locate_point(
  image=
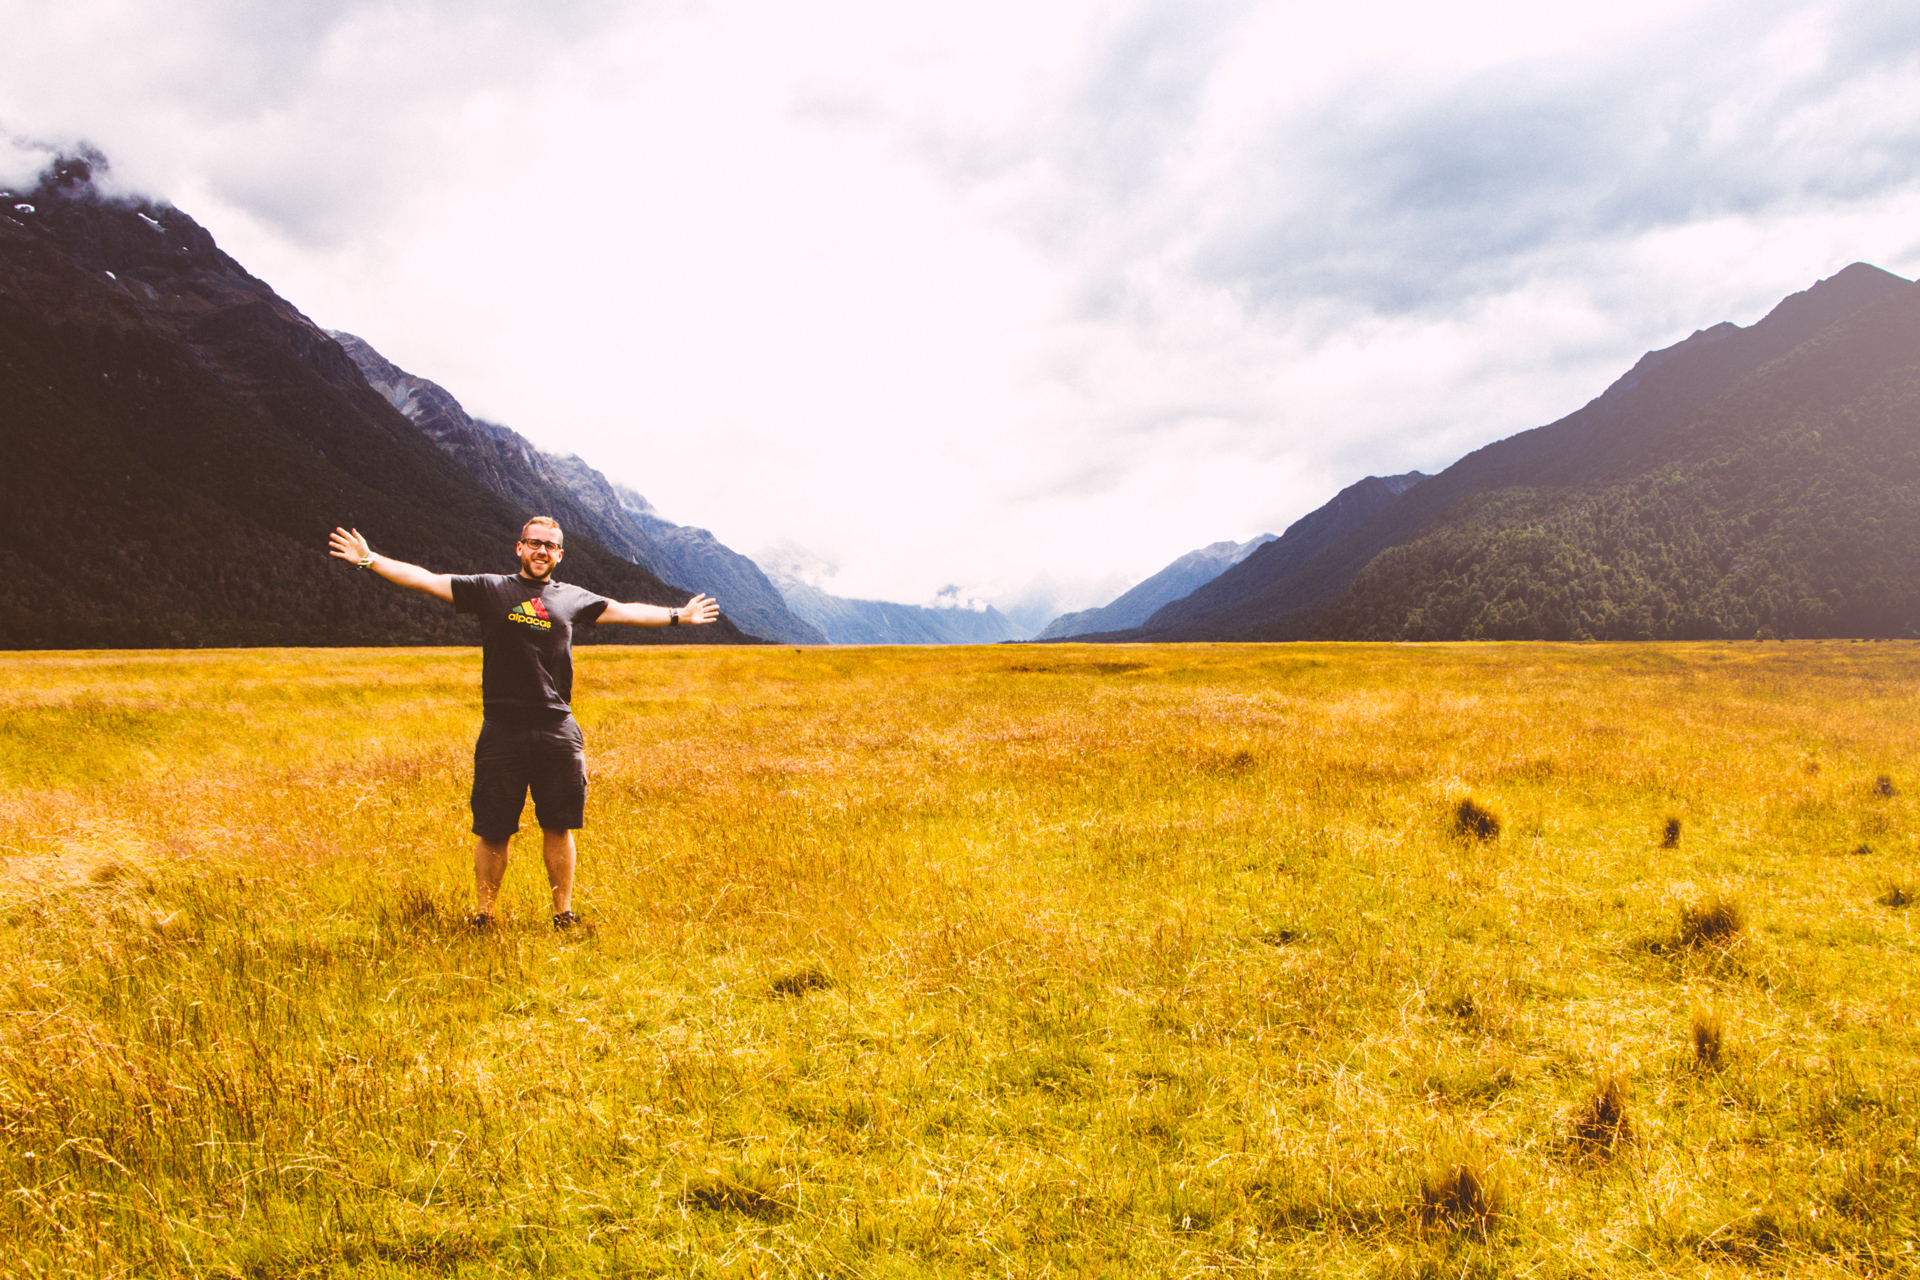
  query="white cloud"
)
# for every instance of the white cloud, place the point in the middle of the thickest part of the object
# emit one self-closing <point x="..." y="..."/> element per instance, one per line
<point x="965" y="296"/>
<point x="21" y="161"/>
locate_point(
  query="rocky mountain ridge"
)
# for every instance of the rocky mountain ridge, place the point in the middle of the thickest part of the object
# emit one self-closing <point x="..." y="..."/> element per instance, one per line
<point x="580" y="497"/>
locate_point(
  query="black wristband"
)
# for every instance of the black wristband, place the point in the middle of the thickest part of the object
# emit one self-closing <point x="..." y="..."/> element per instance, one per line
<point x="673" y="617"/>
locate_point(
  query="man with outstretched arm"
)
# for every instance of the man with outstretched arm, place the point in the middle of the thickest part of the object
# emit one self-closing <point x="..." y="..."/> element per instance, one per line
<point x="528" y="738"/>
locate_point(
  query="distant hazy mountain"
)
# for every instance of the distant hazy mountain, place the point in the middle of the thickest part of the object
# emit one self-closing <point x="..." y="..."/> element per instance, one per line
<point x="1048" y="595"/>
<point x="686" y="554"/>
<point x="1265" y="599"/>
<point x="580" y="497"/>
<point x="193" y="437"/>
<point x="881" y="622"/>
<point x="1185" y="575"/>
<point x="846" y="621"/>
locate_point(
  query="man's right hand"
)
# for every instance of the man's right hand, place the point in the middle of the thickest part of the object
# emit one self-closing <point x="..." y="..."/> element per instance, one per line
<point x="349" y="545"/>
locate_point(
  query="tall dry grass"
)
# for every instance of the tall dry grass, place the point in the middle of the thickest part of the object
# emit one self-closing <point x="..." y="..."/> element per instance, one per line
<point x="1156" y="961"/>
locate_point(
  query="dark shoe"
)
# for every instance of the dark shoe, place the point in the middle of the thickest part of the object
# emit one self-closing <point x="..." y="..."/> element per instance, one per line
<point x="482" y="923"/>
<point x="565" y="920"/>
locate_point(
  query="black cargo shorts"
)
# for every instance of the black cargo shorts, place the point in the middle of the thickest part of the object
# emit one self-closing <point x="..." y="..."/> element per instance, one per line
<point x="545" y="755"/>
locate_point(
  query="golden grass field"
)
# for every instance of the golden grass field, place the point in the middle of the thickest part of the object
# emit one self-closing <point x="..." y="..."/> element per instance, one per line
<point x="1023" y="961"/>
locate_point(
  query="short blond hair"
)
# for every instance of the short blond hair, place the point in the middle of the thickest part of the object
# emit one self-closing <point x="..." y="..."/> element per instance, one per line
<point x="547" y="522"/>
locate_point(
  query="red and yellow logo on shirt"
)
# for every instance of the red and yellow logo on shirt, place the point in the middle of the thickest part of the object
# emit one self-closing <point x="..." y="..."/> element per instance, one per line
<point x="531" y="613"/>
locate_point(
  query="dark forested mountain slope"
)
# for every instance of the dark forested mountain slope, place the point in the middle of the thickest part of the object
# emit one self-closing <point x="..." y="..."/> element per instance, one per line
<point x="1601" y="440"/>
<point x="179" y="440"/>
<point x="1789" y="505"/>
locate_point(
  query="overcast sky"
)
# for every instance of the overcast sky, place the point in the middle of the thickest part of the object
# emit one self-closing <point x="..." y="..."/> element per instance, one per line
<point x="959" y="295"/>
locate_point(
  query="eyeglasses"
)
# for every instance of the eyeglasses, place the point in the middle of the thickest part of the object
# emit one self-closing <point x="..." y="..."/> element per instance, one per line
<point x="539" y="544"/>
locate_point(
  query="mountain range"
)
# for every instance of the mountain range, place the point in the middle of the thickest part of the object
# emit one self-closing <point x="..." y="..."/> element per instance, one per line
<point x="1745" y="481"/>
<point x="195" y="436"/>
<point x="179" y="440"/>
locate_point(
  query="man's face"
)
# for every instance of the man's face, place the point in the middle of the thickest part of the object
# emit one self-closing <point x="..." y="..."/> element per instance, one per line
<point x="540" y="551"/>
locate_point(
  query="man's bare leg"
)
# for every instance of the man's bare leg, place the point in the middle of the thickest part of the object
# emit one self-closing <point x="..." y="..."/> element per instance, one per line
<point x="559" y="851"/>
<point x="489" y="869"/>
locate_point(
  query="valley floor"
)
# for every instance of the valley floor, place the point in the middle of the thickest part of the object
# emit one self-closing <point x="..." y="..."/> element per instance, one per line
<point x="1377" y="960"/>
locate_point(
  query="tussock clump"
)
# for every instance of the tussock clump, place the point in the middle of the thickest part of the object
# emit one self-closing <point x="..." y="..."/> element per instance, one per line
<point x="409" y="906"/>
<point x="108" y="872"/>
<point x="1896" y="896"/>
<point x="1230" y="764"/>
<point x="1751" y="1242"/>
<point x="1884" y="788"/>
<point x="1716" y="922"/>
<point x="753" y="1195"/>
<point x="1708" y="1044"/>
<point x="1460" y="1192"/>
<point x="1601" y="1123"/>
<point x="801" y="982"/>
<point x="416" y="906"/>
<point x="1473" y="822"/>
<point x="1670" y="837"/>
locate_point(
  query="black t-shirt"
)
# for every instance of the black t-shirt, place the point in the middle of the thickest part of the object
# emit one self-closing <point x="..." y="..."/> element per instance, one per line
<point x="526" y="638"/>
